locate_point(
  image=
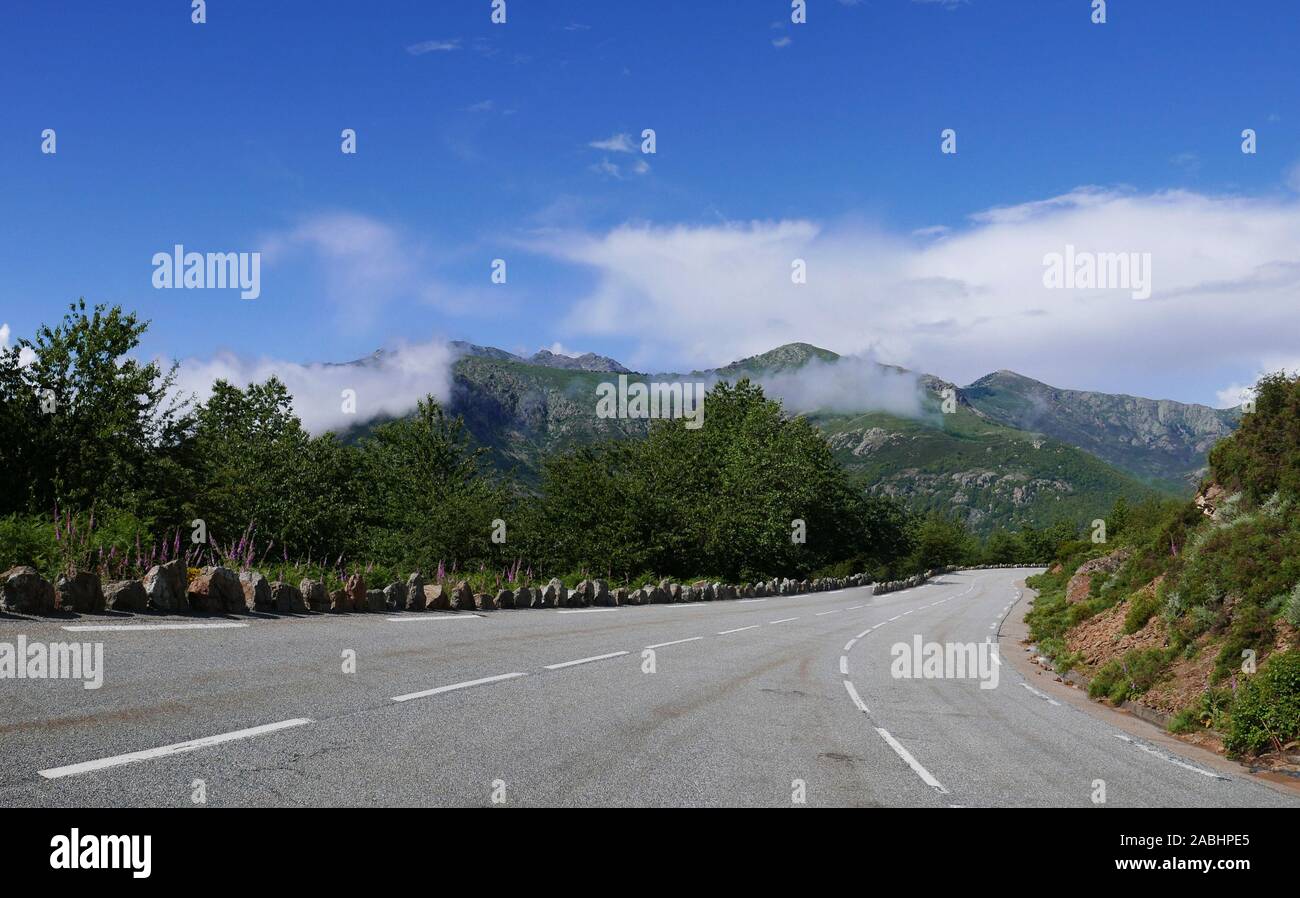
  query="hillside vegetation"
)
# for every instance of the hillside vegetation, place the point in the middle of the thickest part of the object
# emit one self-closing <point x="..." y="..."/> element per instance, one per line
<point x="1196" y="609"/>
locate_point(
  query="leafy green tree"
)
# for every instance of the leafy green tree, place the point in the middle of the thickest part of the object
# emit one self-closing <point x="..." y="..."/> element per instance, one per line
<point x="88" y="425"/>
<point x="428" y="497"/>
<point x="260" y="471"/>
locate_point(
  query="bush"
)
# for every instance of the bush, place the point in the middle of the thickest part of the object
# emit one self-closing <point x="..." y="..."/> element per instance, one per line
<point x="1266" y="712"/>
<point x="1141" y="606"/>
<point x="1291" y="607"/>
<point x="1130" y="676"/>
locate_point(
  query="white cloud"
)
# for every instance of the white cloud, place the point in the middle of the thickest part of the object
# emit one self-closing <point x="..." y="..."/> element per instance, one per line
<point x="433" y="47"/>
<point x="1293" y="177"/>
<point x="4" y="336"/>
<point x="1225" y="272"/>
<point x="388" y="384"/>
<point x="618" y="143"/>
<point x="365" y="262"/>
<point x="783" y="41"/>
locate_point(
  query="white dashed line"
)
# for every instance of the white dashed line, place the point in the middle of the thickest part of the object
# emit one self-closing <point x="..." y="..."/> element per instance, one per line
<point x="853" y="694"/>
<point x="844" y="665"/>
<point x="912" y="762"/>
<point x="784" y="620"/>
<point x="660" y="645"/>
<point x="745" y="601"/>
<point x="1164" y="757"/>
<point x="174" y="749"/>
<point x="454" y="686"/>
<point x="581" y="610"/>
<point x="737" y="630"/>
<point x="584" y="660"/>
<point x="848" y="646"/>
<point x="853" y="607"/>
<point x="108" y="628"/>
<point x="424" y="617"/>
<point x="832" y="611"/>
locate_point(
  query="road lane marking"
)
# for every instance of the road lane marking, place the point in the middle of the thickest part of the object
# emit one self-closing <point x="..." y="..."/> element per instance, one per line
<point x="863" y="634"/>
<point x="853" y="607"/>
<point x="784" y="620"/>
<point x="857" y="700"/>
<point x="832" y="611"/>
<point x="423" y="617"/>
<point x="454" y="686"/>
<point x="581" y="610"/>
<point x="848" y="646"/>
<point x="894" y="618"/>
<point x="660" y="645"/>
<point x="584" y="660"/>
<point x="743" y="601"/>
<point x="166" y="750"/>
<point x="1164" y="757"/>
<point x="737" y="630"/>
<point x="844" y="665"/>
<point x="911" y="761"/>
<point x="108" y="628"/>
<point x="1043" y="696"/>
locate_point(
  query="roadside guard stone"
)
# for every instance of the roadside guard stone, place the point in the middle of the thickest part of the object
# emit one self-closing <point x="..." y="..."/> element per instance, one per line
<point x="257" y="591"/>
<point x="216" y="590"/>
<point x="126" y="595"/>
<point x="167" y="587"/>
<point x="415" y="595"/>
<point x="81" y="592"/>
<point x="315" y="595"/>
<point x="25" y="591"/>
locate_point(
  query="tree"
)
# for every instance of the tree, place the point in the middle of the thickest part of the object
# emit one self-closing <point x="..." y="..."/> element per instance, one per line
<point x="88" y="425"/>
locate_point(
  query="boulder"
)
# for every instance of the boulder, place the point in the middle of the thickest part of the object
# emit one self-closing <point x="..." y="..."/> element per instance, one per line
<point x="484" y="601"/>
<point x="395" y="597"/>
<point x="523" y="597"/>
<point x="355" y="587"/>
<point x="376" y="601"/>
<point x="167" y="587"/>
<point x="462" y="599"/>
<point x="505" y="598"/>
<point x="216" y="590"/>
<point x="314" y="594"/>
<point x="600" y="594"/>
<point x="126" y="595"/>
<point x="415" y="594"/>
<point x="437" y="597"/>
<point x="554" y="594"/>
<point x="340" y="601"/>
<point x="623" y="597"/>
<point x="81" y="592"/>
<point x="257" y="591"/>
<point x="582" y="594"/>
<point x="25" y="591"/>
<point x="675" y="592"/>
<point x="286" y="598"/>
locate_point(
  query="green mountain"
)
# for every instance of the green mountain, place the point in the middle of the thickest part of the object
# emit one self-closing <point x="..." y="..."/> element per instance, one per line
<point x="1159" y="441"/>
<point x="1008" y="450"/>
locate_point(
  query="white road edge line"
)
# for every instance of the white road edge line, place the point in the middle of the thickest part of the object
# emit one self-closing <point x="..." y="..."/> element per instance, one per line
<point x="744" y="601"/>
<point x="912" y="762"/>
<point x="454" y="686"/>
<point x="423" y="617"/>
<point x="1164" y="757"/>
<point x="584" y="660"/>
<point x="660" y="645"/>
<point x="107" y="628"/>
<point x="1043" y="696"/>
<point x="173" y="749"/>
<point x="853" y="694"/>
<point x="581" y="610"/>
<point x="737" y="630"/>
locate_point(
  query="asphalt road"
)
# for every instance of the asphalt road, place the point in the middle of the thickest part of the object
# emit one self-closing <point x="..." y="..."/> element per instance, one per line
<point x="758" y="702"/>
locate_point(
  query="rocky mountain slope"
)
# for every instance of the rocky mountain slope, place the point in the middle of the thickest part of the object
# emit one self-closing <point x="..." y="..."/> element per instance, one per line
<point x="1011" y="451"/>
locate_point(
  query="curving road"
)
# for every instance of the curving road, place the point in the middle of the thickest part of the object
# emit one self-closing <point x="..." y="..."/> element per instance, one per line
<point x="759" y="702"/>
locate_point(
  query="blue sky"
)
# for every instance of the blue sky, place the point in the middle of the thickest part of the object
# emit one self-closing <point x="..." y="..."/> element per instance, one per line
<point x="475" y="142"/>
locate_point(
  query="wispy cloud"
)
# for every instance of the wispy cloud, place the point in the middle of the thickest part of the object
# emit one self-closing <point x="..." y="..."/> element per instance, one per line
<point x="1223" y="269"/>
<point x="433" y="47"/>
<point x="783" y="41"/>
<point x="618" y="143"/>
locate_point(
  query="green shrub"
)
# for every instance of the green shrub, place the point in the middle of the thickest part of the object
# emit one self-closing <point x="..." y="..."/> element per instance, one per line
<point x="1291" y="607"/>
<point x="1266" y="711"/>
<point x="1251" y="628"/>
<point x="1141" y="606"/>
<point x="1130" y="676"/>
